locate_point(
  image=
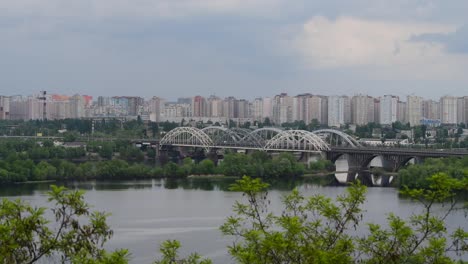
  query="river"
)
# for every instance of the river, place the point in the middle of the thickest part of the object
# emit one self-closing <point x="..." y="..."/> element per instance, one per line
<point x="145" y="213"/>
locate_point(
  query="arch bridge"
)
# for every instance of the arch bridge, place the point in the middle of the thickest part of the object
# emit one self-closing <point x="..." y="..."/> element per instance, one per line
<point x="340" y="148"/>
<point x="264" y="139"/>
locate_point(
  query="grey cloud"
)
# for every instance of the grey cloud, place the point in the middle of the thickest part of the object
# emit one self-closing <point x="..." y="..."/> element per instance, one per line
<point x="455" y="42"/>
<point x="100" y="50"/>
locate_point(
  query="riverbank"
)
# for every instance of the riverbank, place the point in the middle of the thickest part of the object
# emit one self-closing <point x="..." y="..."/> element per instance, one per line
<point x="34" y="182"/>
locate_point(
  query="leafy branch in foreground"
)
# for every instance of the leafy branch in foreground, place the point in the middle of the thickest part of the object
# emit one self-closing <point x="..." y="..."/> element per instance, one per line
<point x="76" y="236"/>
<point x="309" y="230"/>
<point x="169" y="250"/>
<point x="424" y="237"/>
<point x="317" y="229"/>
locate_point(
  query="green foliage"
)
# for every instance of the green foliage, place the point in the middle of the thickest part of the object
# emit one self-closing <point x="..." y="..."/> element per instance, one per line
<point x="77" y="236"/>
<point x="206" y="166"/>
<point x="321" y="166"/>
<point x="416" y="176"/>
<point x="169" y="250"/>
<point x="260" y="164"/>
<point x="317" y="229"/>
<point x="70" y="137"/>
<point x="310" y="230"/>
<point x="365" y="131"/>
<point x="423" y="238"/>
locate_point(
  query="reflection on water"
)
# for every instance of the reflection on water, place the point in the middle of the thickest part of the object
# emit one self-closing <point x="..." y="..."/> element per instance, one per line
<point x="23" y="189"/>
<point x="206" y="184"/>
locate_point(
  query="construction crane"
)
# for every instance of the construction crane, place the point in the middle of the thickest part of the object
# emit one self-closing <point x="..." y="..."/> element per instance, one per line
<point x="44" y="104"/>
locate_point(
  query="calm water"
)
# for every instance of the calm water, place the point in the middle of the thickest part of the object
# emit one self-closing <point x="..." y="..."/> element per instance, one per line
<point x="145" y="213"/>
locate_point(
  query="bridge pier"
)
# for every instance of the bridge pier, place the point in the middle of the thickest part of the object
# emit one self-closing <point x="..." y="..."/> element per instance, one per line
<point x="381" y="180"/>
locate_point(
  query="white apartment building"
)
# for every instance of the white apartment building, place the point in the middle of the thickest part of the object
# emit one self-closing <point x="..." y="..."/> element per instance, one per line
<point x="282" y="109"/>
<point x="215" y="106"/>
<point x="362" y="109"/>
<point x="156" y="108"/>
<point x="267" y="107"/>
<point x="414" y="109"/>
<point x="448" y="109"/>
<point x="388" y="109"/>
<point x="336" y="109"/>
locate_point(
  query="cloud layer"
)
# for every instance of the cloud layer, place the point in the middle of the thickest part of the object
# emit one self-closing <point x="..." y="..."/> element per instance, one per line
<point x="348" y="41"/>
<point x="233" y="47"/>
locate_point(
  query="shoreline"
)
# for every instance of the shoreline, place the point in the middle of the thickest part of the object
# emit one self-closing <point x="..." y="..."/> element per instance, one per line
<point x="32" y="182"/>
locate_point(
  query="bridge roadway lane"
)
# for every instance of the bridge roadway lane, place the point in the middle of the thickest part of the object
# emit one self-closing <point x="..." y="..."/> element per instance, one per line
<point x="402" y="151"/>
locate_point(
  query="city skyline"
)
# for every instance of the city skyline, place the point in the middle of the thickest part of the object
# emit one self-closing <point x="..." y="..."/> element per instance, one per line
<point x="232" y="47"/>
<point x="333" y="111"/>
<point x="61" y="93"/>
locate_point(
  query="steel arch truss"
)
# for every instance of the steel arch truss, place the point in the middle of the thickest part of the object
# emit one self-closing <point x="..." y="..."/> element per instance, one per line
<point x="337" y="138"/>
<point x="296" y="140"/>
<point x="262" y="139"/>
<point x="222" y="136"/>
<point x="187" y="136"/>
<point x="263" y="135"/>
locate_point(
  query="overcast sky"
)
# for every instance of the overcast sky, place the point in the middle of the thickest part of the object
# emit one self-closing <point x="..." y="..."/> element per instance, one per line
<point x="244" y="48"/>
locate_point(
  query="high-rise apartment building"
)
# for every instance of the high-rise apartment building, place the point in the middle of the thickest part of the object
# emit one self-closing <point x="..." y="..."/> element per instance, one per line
<point x="377" y="110"/>
<point x="315" y="108"/>
<point x="103" y="101"/>
<point x="448" y="109"/>
<point x="127" y="105"/>
<point x="243" y="109"/>
<point x="77" y="105"/>
<point x="431" y="110"/>
<point x="461" y="109"/>
<point x="324" y="114"/>
<point x="362" y="109"/>
<point x="156" y="108"/>
<point x="465" y="98"/>
<point x="307" y="107"/>
<point x="175" y="110"/>
<point x="347" y="109"/>
<point x="388" y="109"/>
<point x="230" y="107"/>
<point x="257" y="111"/>
<point x="401" y="113"/>
<point x="267" y="107"/>
<point x="282" y="109"/>
<point x="414" y="110"/>
<point x="215" y="106"/>
<point x="336" y="111"/>
<point x="199" y="106"/>
<point x="4" y="107"/>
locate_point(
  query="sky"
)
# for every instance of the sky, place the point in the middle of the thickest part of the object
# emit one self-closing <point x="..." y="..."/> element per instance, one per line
<point x="241" y="48"/>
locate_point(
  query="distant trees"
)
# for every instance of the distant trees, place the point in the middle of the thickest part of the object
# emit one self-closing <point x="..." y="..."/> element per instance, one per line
<point x="259" y="164"/>
<point x="418" y="175"/>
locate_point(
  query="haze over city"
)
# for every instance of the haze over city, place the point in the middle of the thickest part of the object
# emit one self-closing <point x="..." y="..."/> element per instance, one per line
<point x="234" y="48"/>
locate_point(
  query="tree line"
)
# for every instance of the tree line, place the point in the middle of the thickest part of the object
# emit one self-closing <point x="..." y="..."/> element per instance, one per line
<point x="418" y="175"/>
<point x="29" y="160"/>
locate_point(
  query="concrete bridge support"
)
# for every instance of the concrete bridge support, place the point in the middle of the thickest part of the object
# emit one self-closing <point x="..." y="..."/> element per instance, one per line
<point x="352" y="166"/>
